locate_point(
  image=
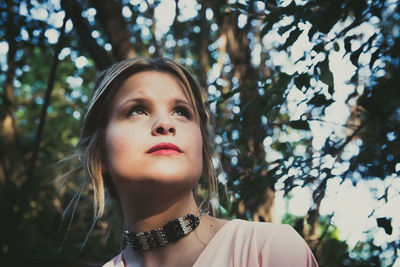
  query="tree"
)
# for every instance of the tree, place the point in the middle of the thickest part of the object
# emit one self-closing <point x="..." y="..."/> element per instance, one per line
<point x="231" y="48"/>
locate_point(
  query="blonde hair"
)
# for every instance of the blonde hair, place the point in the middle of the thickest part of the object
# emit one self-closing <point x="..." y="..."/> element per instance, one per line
<point x="90" y="147"/>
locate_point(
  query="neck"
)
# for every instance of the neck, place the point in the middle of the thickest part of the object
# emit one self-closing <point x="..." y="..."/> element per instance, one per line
<point x="145" y="215"/>
<point x="184" y="252"/>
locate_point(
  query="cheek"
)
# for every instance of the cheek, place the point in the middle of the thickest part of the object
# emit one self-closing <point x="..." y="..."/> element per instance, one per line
<point x="114" y="144"/>
<point x="200" y="147"/>
<point x="119" y="144"/>
<point x="197" y="144"/>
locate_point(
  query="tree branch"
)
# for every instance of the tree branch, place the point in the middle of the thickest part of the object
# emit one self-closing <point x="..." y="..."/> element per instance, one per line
<point x="7" y="124"/>
<point x="42" y="121"/>
<point x="348" y="140"/>
<point x="97" y="53"/>
<point x="109" y="14"/>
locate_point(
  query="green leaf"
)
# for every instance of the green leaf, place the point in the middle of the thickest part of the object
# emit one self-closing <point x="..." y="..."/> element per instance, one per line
<point x="281" y="85"/>
<point x="374" y="57"/>
<point x="302" y="80"/>
<point x="331" y="90"/>
<point x="319" y="47"/>
<point x="325" y="75"/>
<point x="300" y="125"/>
<point x="265" y="29"/>
<point x="386" y="224"/>
<point x="293" y="36"/>
<point x="320" y="100"/>
<point x="347" y="43"/>
<point x="284" y="29"/>
<point x="336" y="47"/>
<point x="311" y="33"/>
<point x="355" y="56"/>
<point x="327" y="16"/>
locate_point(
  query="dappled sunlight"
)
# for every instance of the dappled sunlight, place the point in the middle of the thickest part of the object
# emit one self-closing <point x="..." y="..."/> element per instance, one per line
<point x="302" y="93"/>
<point x="164" y="14"/>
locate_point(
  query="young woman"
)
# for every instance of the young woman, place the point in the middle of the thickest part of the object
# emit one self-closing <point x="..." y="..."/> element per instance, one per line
<point x="145" y="141"/>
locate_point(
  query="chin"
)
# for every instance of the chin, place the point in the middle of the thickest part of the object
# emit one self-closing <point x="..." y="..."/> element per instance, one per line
<point x="164" y="174"/>
<point x="171" y="175"/>
<point x="172" y="170"/>
<point x="158" y="185"/>
<point x="155" y="176"/>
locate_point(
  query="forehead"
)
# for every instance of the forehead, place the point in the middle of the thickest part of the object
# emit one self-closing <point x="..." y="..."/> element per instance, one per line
<point x="153" y="84"/>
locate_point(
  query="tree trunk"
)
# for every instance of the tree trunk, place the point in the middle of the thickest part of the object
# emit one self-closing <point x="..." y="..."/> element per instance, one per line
<point x="203" y="42"/>
<point x="97" y="53"/>
<point x="178" y="34"/>
<point x="159" y="50"/>
<point x="109" y="14"/>
<point x="312" y="234"/>
<point x="8" y="152"/>
<point x="8" y="127"/>
<point x="238" y="47"/>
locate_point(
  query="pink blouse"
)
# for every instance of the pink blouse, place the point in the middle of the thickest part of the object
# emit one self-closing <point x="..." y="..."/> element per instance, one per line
<point x="241" y="243"/>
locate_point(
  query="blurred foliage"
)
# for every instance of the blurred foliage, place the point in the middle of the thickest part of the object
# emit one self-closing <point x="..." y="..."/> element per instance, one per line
<point x="232" y="47"/>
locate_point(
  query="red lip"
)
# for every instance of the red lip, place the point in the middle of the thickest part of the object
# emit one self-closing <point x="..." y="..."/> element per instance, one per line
<point x="165" y="147"/>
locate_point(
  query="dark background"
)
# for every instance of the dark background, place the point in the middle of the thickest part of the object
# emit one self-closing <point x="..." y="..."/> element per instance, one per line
<point x="52" y="50"/>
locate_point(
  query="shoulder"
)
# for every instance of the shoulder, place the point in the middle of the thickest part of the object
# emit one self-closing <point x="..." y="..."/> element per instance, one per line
<point x="285" y="247"/>
<point x="260" y="231"/>
<point x="268" y="232"/>
<point x="117" y="261"/>
<point x="283" y="236"/>
<point x="277" y="244"/>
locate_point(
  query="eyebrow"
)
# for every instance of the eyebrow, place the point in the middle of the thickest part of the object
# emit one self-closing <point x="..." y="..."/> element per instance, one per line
<point x="145" y="101"/>
<point x="180" y="101"/>
<point x="138" y="100"/>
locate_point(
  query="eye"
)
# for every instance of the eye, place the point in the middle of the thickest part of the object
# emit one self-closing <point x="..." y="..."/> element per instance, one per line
<point x="136" y="110"/>
<point x="183" y="111"/>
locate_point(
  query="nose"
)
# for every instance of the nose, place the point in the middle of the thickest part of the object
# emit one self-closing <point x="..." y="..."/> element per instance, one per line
<point x="163" y="128"/>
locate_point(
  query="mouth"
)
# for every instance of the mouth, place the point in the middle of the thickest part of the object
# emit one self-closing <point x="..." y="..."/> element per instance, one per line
<point x="164" y="149"/>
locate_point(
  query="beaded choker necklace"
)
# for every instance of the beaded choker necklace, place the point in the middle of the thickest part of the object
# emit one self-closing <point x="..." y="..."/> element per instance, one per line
<point x="159" y="237"/>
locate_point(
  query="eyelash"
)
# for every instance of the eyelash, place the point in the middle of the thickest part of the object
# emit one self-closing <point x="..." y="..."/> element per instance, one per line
<point x="185" y="112"/>
<point x="180" y="110"/>
<point x="135" y="109"/>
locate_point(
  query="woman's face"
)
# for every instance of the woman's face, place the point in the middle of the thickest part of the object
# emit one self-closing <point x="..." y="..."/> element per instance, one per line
<point x="153" y="138"/>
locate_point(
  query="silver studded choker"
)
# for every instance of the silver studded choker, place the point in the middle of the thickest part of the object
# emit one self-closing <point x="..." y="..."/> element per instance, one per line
<point x="159" y="237"/>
